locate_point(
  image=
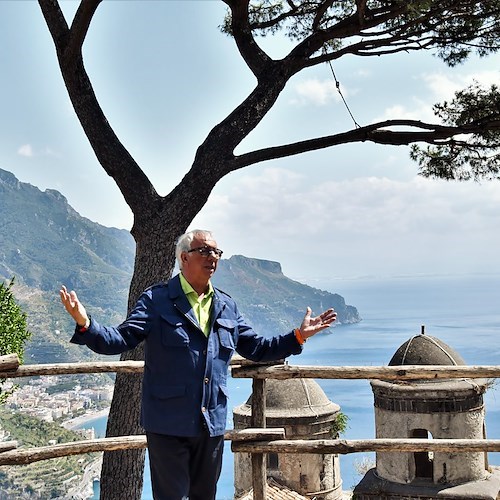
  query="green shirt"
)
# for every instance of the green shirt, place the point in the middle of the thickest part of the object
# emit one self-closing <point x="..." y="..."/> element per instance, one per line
<point x="201" y="306"/>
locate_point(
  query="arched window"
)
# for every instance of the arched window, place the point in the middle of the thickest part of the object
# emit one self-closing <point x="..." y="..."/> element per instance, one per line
<point x="424" y="460"/>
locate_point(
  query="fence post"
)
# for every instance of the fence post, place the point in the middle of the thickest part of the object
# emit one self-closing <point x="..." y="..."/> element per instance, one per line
<point x="259" y="473"/>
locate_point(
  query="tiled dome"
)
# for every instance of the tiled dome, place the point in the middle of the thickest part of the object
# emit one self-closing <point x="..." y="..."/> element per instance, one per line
<point x="426" y="350"/>
<point x="295" y="398"/>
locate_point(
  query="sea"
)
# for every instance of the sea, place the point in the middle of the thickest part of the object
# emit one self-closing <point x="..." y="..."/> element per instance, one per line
<point x="461" y="310"/>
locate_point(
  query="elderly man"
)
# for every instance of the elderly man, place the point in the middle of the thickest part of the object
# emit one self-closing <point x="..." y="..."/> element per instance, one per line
<point x="190" y="330"/>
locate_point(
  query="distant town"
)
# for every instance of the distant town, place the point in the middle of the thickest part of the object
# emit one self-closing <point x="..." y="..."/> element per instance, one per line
<point x="69" y="407"/>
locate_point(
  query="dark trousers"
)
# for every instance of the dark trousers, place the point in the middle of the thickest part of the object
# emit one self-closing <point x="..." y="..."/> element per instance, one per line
<point x="184" y="467"/>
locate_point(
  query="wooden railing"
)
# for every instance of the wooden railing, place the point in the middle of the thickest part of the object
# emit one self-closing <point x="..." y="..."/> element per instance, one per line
<point x="258" y="440"/>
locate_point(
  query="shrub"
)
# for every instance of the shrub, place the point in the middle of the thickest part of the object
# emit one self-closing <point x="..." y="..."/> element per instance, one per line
<point x="13" y="329"/>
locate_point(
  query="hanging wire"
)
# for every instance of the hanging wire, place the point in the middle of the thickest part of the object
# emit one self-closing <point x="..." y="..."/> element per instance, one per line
<point x="337" y="85"/>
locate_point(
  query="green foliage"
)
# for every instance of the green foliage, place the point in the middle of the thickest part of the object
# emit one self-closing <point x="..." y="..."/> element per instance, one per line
<point x="453" y="29"/>
<point x="13" y="330"/>
<point x="474" y="26"/>
<point x="464" y="157"/>
<point x="33" y="432"/>
<point x="339" y="425"/>
<point x="47" y="478"/>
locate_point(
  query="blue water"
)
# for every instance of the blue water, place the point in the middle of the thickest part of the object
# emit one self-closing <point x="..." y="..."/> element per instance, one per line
<point x="463" y="311"/>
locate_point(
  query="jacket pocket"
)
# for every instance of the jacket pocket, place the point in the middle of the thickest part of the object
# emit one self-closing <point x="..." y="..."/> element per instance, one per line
<point x="227" y="330"/>
<point x="172" y="332"/>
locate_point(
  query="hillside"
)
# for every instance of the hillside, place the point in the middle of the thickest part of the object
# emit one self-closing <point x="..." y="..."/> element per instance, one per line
<point x="46" y="243"/>
<point x="272" y="302"/>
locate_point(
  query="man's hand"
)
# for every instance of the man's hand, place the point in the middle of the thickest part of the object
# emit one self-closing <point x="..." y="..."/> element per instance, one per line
<point x="311" y="326"/>
<point x="74" y="307"/>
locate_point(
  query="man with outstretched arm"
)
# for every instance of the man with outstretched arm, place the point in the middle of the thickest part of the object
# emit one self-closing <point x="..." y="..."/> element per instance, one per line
<point x="190" y="330"/>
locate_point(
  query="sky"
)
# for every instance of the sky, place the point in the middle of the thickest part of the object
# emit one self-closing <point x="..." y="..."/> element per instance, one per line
<point x="165" y="75"/>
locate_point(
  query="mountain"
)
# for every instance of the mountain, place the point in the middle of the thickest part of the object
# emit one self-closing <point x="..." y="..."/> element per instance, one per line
<point x="272" y="302"/>
<point x="46" y="243"/>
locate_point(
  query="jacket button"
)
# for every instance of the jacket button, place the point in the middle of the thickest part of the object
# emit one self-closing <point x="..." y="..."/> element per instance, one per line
<point x="204" y="352"/>
<point x="203" y="409"/>
<point x="206" y="380"/>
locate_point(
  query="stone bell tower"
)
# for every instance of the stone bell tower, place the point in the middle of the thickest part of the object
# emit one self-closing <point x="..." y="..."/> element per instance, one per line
<point x="303" y="409"/>
<point x="442" y="409"/>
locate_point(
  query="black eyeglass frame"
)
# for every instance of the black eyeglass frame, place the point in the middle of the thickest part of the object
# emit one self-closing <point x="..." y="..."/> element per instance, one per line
<point x="206" y="251"/>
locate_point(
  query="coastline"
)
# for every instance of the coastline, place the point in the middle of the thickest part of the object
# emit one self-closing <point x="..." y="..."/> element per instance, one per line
<point x="85" y="488"/>
<point x="76" y="422"/>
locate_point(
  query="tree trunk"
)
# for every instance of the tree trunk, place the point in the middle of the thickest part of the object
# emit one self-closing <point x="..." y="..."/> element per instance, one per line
<point x="122" y="471"/>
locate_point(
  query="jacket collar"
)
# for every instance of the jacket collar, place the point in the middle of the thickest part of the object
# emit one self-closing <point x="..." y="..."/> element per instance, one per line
<point x="174" y="288"/>
<point x="178" y="296"/>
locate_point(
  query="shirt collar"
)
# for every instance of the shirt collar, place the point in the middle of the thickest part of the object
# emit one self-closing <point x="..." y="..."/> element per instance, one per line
<point x="188" y="289"/>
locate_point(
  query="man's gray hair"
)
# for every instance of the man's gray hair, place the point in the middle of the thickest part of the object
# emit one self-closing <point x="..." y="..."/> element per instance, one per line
<point x="185" y="240"/>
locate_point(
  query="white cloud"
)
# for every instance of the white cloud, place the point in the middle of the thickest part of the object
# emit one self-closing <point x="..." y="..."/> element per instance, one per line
<point x="444" y="85"/>
<point x="363" y="72"/>
<point x="359" y="225"/>
<point x="25" y="150"/>
<point x="419" y="111"/>
<point x="50" y="152"/>
<point x="28" y="151"/>
<point x="316" y="92"/>
<point x="437" y="86"/>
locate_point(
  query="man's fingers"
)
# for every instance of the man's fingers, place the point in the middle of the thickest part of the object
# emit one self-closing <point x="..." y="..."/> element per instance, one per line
<point x="65" y="295"/>
<point x="326" y="318"/>
<point x="328" y="315"/>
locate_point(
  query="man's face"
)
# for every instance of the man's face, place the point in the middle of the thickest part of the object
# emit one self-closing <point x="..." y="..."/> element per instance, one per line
<point x="198" y="268"/>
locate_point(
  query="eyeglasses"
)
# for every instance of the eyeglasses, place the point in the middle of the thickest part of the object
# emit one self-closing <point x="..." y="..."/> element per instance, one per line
<point x="207" y="251"/>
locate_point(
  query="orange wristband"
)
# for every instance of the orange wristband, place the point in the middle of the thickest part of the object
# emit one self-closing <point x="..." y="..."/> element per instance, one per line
<point x="299" y="337"/>
<point x="84" y="328"/>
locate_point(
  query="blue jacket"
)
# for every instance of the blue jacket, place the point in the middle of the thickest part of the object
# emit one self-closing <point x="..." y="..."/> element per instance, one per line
<point x="185" y="373"/>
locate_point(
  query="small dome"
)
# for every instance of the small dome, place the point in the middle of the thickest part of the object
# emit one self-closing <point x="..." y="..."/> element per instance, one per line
<point x="426" y="350"/>
<point x="296" y="397"/>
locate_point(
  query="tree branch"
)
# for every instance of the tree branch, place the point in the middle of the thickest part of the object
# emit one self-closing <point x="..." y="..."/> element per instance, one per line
<point x="348" y="27"/>
<point x="80" y="26"/>
<point x="255" y="58"/>
<point x="376" y="133"/>
<point x="58" y="27"/>
<point x="320" y="12"/>
<point x="135" y="186"/>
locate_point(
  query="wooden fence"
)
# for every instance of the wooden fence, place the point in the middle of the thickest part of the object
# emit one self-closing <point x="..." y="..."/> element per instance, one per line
<point x="257" y="440"/>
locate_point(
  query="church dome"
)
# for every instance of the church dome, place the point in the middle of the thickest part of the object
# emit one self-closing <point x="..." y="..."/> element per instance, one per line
<point x="292" y="398"/>
<point x="425" y="350"/>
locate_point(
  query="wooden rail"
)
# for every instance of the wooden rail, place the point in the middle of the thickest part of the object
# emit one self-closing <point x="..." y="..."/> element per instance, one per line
<point x="406" y="372"/>
<point x="11" y="456"/>
<point x="73" y="368"/>
<point x="278" y="372"/>
<point x="254" y="441"/>
<point x="258" y="441"/>
<point x="344" y="446"/>
<point x="9" y="362"/>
